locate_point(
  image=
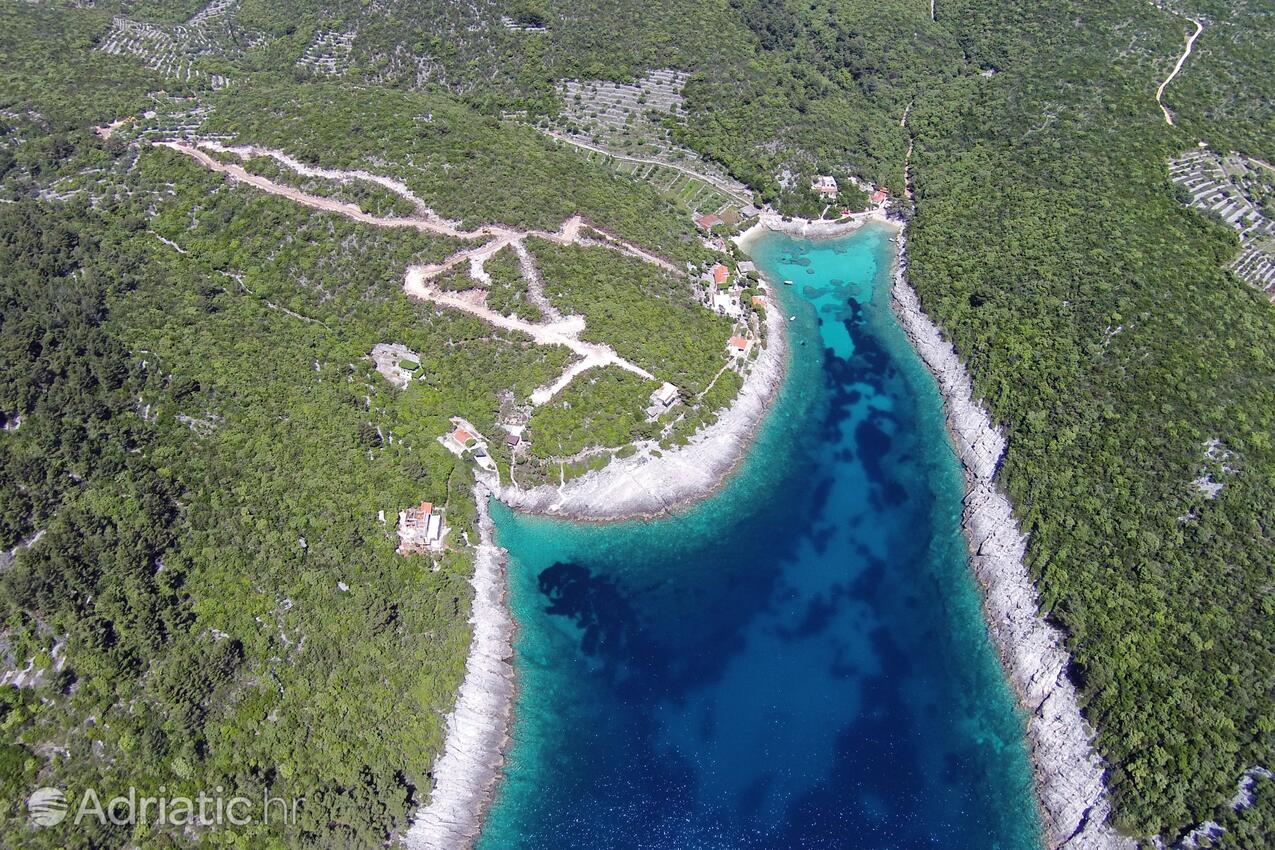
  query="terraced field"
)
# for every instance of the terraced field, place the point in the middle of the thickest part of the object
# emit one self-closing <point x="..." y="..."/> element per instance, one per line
<point x="626" y="126"/>
<point x="1235" y="190"/>
<point x="175" y="51"/>
<point x="693" y="193"/>
<point x="329" y="53"/>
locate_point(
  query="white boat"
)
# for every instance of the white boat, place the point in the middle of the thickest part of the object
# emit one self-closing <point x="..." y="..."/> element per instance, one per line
<point x="787" y="283"/>
<point x="792" y="318"/>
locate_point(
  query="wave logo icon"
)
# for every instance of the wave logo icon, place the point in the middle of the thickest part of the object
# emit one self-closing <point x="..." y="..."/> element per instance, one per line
<point x="47" y="806"/>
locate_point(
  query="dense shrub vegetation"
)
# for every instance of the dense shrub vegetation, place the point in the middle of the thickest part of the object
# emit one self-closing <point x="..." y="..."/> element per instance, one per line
<point x="1093" y="310"/>
<point x="615" y="403"/>
<point x="206" y="448"/>
<point x="463" y="165"/>
<point x="508" y="291"/>
<point x="195" y="428"/>
<point x="1225" y="94"/>
<point x="1103" y="333"/>
<point x="645" y="313"/>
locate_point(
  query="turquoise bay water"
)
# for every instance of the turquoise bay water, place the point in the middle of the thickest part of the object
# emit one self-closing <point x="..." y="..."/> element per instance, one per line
<point x="797" y="662"/>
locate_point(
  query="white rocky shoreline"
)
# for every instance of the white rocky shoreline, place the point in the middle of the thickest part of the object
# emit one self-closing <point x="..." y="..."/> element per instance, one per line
<point x="477" y="733"/>
<point x="642" y="485"/>
<point x="1069" y="774"/>
<point x="655" y="482"/>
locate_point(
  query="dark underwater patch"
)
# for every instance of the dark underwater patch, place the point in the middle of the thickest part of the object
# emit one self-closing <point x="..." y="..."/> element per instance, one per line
<point x="856" y="610"/>
<point x="868" y="583"/>
<point x="593" y="602"/>
<point x="873" y="444"/>
<point x="819" y="612"/>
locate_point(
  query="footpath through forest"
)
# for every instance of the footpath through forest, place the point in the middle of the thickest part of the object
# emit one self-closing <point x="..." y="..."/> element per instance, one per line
<point x="1190" y="45"/>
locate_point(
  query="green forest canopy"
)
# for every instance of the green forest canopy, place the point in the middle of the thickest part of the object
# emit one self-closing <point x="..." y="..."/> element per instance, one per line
<point x="1094" y="312"/>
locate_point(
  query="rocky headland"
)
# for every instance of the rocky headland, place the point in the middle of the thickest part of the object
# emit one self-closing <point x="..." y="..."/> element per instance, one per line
<point x="658" y="481"/>
<point x="466" y="773"/>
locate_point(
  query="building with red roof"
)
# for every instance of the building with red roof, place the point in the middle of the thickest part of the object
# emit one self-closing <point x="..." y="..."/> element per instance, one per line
<point x="420" y="528"/>
<point x="824" y="184"/>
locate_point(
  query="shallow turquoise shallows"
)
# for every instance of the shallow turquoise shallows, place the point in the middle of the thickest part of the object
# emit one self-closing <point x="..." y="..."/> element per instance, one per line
<point x="798" y="662"/>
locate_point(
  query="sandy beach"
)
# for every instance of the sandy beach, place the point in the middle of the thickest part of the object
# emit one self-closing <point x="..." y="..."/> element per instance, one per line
<point x="1069" y="774"/>
<point x="770" y="221"/>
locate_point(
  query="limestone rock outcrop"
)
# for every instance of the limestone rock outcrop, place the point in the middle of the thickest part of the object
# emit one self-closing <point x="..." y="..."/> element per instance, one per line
<point x="1069" y="773"/>
<point x="477" y="733"/>
<point x="652" y="481"/>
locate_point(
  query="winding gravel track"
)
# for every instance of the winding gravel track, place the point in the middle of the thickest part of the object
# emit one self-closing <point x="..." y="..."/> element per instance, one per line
<point x="418" y="282"/>
<point x="1190" y="45"/>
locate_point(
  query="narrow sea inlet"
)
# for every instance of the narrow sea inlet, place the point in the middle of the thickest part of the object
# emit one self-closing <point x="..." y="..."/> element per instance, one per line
<point x="799" y="661"/>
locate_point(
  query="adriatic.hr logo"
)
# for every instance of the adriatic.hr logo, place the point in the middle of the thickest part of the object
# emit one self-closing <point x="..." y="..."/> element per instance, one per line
<point x="47" y="806"/>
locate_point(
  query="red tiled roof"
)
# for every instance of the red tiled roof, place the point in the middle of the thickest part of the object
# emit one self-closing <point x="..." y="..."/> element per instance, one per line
<point x="462" y="436"/>
<point x="880" y="195"/>
<point x="720" y="273"/>
<point x="738" y="342"/>
<point x="709" y="220"/>
<point x="427" y="507"/>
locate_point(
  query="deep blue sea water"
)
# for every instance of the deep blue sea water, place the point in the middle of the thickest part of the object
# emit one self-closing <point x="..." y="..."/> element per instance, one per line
<point x="799" y="661"/>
